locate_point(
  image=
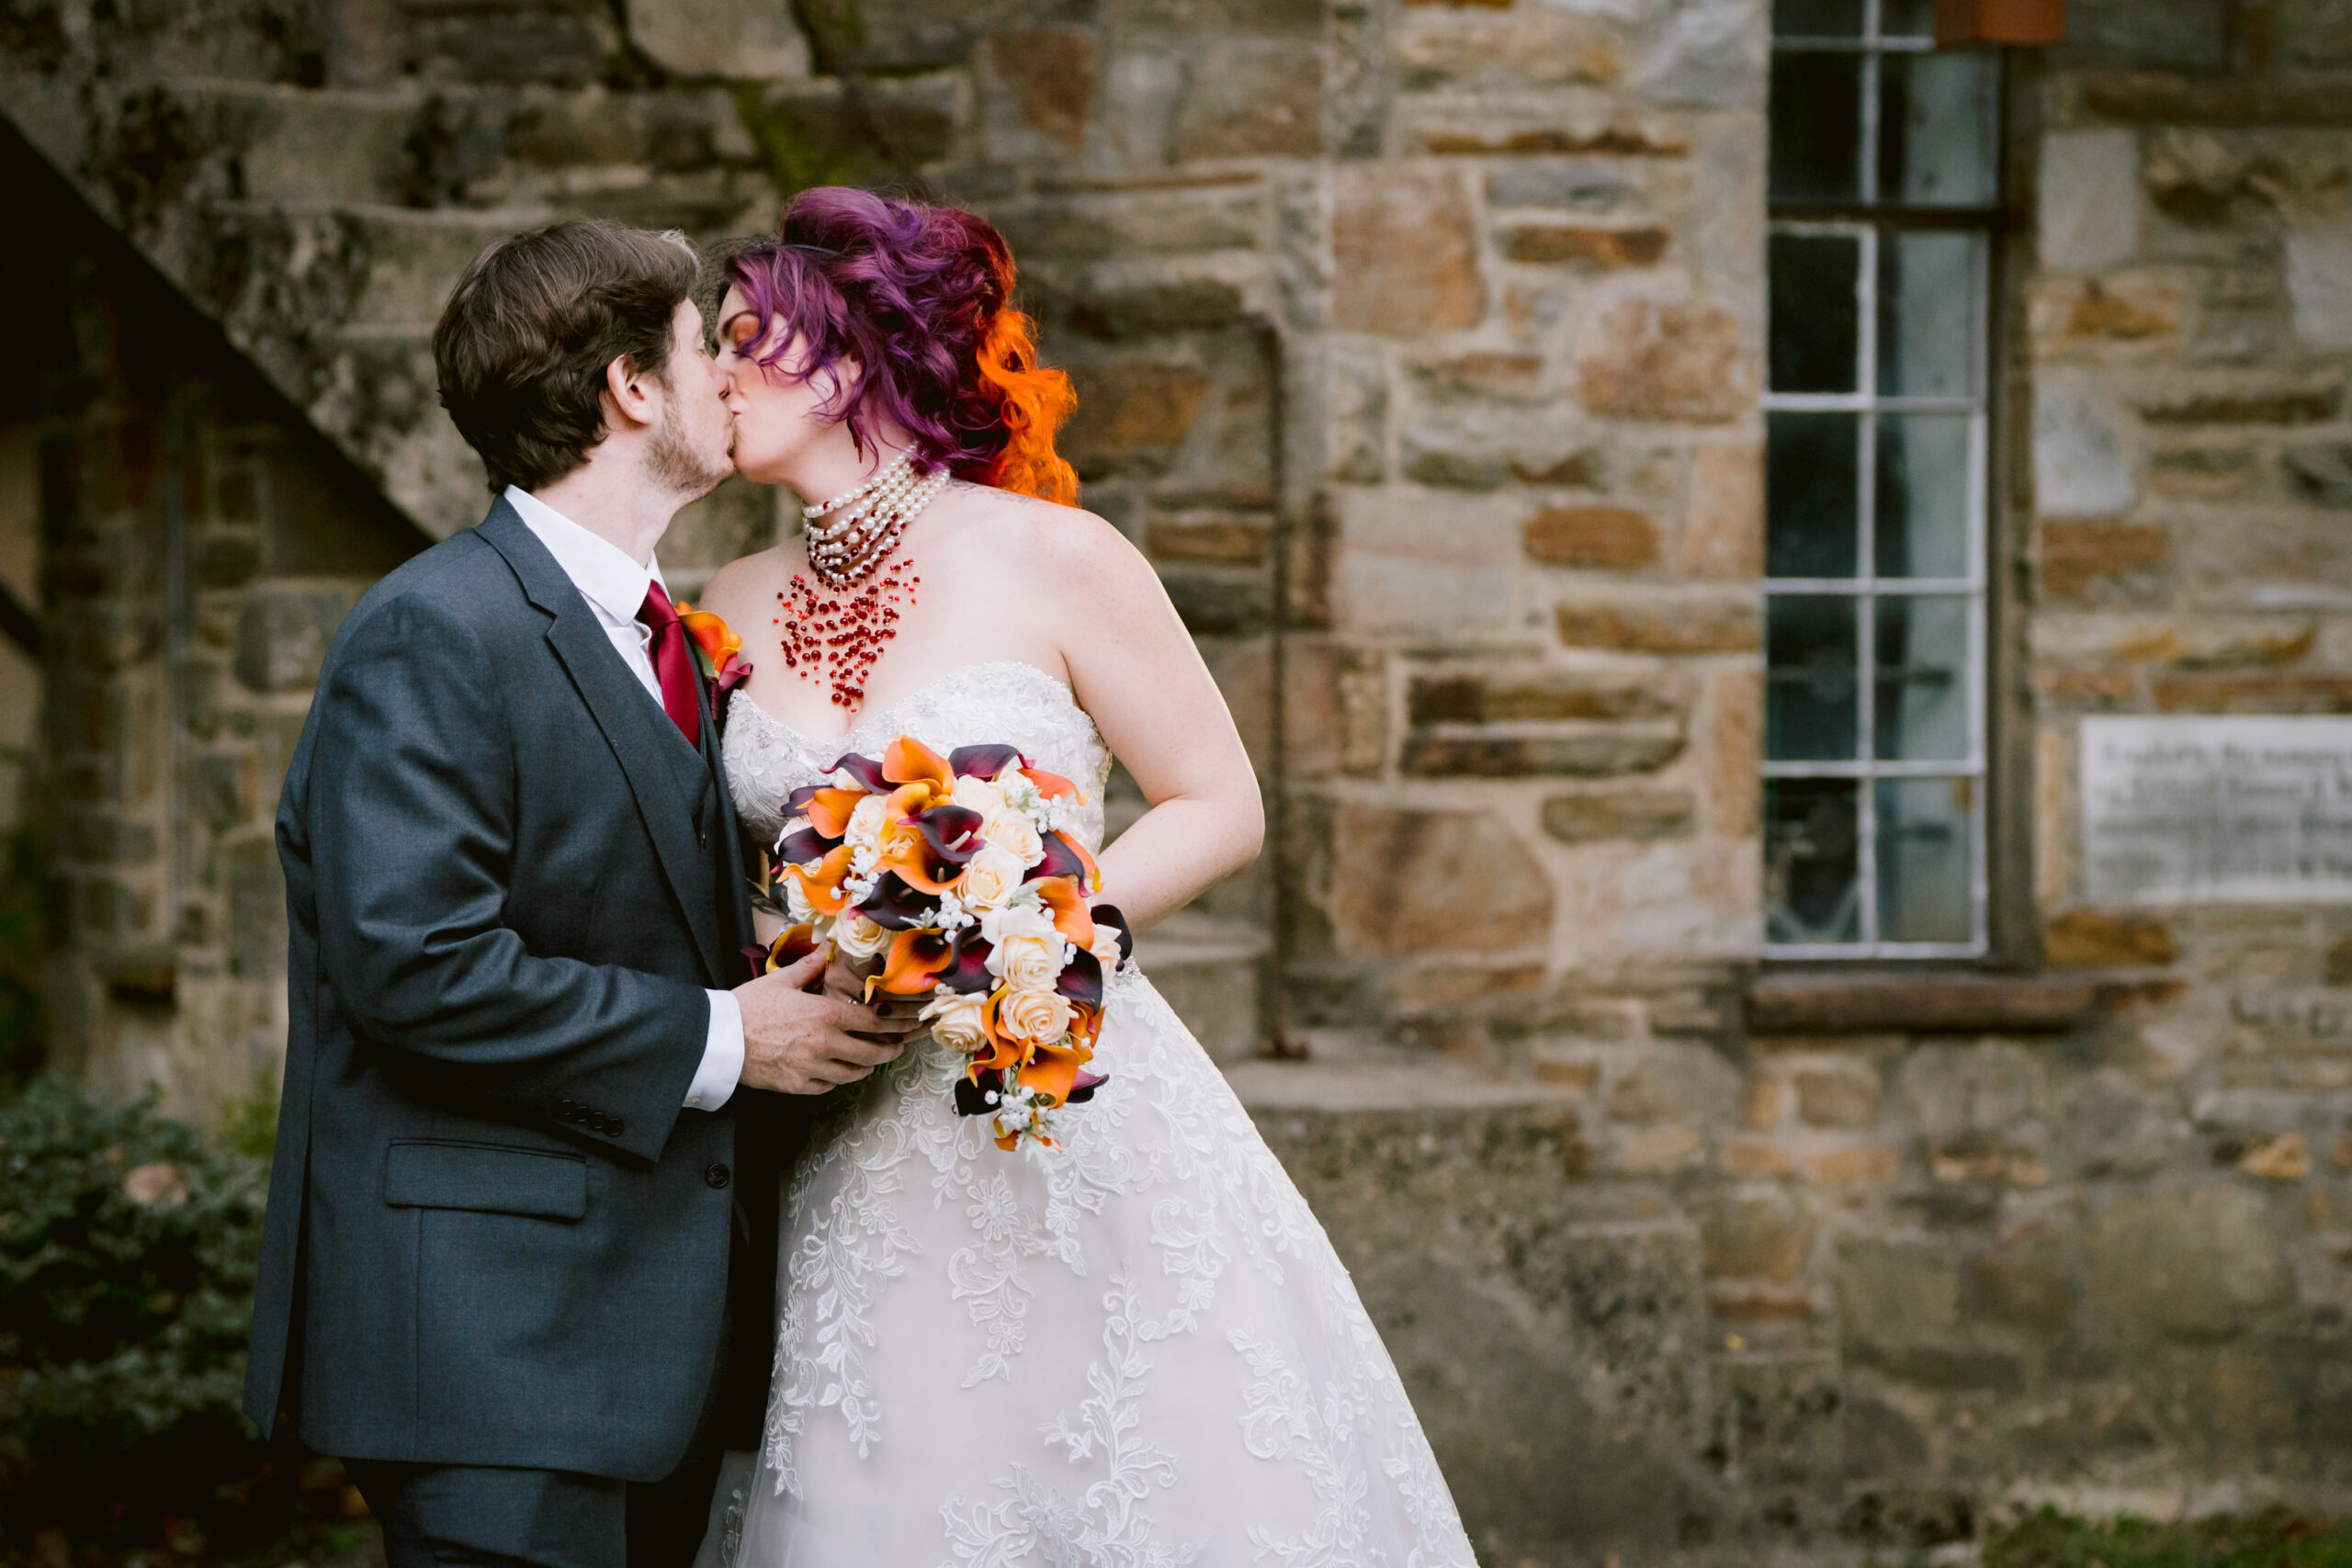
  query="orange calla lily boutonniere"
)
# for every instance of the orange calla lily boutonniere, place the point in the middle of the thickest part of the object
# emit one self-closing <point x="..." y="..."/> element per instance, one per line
<point x="963" y="880"/>
<point x="718" y="655"/>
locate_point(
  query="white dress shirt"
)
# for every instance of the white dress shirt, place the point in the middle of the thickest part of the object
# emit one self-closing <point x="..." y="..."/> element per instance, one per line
<point x="615" y="587"/>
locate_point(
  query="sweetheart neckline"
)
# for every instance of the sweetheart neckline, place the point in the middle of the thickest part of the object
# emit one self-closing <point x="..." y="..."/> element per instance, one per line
<point x="842" y="740"/>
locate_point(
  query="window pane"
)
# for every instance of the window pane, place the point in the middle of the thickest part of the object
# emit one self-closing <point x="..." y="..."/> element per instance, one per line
<point x="1907" y="18"/>
<point x="1811" y="712"/>
<point x="1923" y="485"/>
<point x="1817" y="127"/>
<point x="1922" y="670"/>
<point x="1927" y="313"/>
<point x="1817" y="19"/>
<point x="1936" y="144"/>
<point x="1811" y="859"/>
<point x="1816" y="311"/>
<point x="1811" y="468"/>
<point x="1923" y="860"/>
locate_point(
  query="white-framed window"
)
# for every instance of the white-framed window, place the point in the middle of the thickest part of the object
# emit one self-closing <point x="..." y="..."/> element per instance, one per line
<point x="1883" y="179"/>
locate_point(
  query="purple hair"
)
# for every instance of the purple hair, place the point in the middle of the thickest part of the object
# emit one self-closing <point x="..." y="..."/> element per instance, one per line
<point x="920" y="298"/>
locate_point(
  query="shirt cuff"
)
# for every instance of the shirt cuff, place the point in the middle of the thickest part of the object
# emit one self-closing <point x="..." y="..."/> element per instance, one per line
<point x="722" y="1056"/>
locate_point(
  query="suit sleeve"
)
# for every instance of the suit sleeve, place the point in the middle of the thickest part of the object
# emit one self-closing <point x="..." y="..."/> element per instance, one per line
<point x="411" y="804"/>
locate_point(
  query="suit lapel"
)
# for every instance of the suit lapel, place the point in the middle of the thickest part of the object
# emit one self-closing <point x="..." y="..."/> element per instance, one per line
<point x="647" y="744"/>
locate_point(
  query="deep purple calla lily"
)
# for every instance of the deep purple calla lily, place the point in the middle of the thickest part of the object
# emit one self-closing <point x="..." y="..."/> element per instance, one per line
<point x="1081" y="981"/>
<point x="796" y="803"/>
<point x="1061" y="860"/>
<point x="803" y="845"/>
<point x="1083" y="1089"/>
<point x="968" y="971"/>
<point x="866" y="770"/>
<point x="895" y="905"/>
<point x="951" y="831"/>
<point x="1108" y="915"/>
<point x="983" y="762"/>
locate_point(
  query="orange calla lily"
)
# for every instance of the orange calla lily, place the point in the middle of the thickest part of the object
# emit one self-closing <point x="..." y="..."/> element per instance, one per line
<point x="1052" y="786"/>
<point x="830" y="809"/>
<point x="1071" y="916"/>
<point x="909" y="762"/>
<point x="823" y="887"/>
<point x="915" y="957"/>
<point x="719" y="645"/>
<point x="1054" y="1070"/>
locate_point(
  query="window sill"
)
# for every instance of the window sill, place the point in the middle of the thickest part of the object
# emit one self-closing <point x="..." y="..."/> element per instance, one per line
<point x="1786" y="1004"/>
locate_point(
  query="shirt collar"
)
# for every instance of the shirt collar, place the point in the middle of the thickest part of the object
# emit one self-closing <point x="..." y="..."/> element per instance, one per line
<point x="603" y="572"/>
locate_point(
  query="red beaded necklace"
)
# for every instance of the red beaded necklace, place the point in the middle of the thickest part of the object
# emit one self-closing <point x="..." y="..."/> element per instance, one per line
<point x="843" y="617"/>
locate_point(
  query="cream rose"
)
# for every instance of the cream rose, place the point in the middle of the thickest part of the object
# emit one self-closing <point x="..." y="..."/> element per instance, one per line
<point x="979" y="794"/>
<point x="1020" y="917"/>
<point x="954" y="1020"/>
<point x="1027" y="963"/>
<point x="1105" y="946"/>
<point x="796" y="902"/>
<point x="989" y="878"/>
<point x="1013" y="832"/>
<point x="858" y="937"/>
<point x="865" y="821"/>
<point x="1038" y="1017"/>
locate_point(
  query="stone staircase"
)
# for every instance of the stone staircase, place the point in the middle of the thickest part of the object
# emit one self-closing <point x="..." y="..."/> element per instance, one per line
<point x="323" y="225"/>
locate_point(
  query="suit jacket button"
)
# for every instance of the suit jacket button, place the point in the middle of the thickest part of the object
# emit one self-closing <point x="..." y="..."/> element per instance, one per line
<point x="612" y="1125"/>
<point x="717" y="1175"/>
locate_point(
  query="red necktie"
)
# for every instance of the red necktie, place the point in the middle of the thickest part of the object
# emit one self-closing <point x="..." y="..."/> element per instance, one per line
<point x="673" y="666"/>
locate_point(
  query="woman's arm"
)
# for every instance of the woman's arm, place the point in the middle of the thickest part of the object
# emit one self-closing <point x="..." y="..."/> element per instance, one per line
<point x="1134" y="668"/>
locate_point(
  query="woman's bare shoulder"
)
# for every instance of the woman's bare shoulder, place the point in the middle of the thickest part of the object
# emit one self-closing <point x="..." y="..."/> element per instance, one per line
<point x="1044" y="535"/>
<point x="748" y="580"/>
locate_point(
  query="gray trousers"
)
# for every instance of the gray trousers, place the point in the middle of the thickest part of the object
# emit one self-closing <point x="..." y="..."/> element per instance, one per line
<point x="448" y="1516"/>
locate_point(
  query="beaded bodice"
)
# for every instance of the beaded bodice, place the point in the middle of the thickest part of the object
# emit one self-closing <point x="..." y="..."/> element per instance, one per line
<point x="1018" y="705"/>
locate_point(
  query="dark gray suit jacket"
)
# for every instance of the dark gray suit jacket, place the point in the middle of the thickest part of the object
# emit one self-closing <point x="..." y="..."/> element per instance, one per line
<point x="494" y="1237"/>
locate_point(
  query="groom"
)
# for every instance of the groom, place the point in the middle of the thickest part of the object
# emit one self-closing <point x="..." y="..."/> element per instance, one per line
<point x="520" y="1262"/>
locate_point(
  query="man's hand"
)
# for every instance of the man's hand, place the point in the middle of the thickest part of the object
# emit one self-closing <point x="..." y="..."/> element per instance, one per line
<point x="798" y="1044"/>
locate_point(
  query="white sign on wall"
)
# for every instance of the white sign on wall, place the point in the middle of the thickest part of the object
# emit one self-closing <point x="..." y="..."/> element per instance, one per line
<point x="2217" y="810"/>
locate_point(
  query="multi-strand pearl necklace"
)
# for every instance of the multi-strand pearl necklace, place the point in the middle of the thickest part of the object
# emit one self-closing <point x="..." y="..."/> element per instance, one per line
<point x="859" y="610"/>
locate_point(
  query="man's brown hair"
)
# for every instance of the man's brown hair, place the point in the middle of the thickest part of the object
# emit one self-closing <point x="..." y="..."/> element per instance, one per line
<point x="524" y="341"/>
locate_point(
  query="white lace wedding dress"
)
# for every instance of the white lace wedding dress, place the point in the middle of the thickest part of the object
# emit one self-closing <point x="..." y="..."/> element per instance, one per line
<point x="1139" y="1351"/>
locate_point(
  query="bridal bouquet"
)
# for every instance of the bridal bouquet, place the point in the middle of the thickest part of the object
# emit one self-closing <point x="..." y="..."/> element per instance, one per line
<point x="962" y="877"/>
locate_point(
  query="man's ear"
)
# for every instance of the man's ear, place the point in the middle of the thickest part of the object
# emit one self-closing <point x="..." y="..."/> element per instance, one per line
<point x="630" y="394"/>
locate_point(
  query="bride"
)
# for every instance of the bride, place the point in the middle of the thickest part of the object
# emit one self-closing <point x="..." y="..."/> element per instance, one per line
<point x="1140" y="1350"/>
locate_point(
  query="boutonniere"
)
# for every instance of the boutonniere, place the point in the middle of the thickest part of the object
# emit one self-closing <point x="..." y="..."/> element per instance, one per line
<point x="717" y="656"/>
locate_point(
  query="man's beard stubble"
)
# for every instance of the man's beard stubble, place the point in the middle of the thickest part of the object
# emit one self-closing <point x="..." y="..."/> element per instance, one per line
<point x="674" y="463"/>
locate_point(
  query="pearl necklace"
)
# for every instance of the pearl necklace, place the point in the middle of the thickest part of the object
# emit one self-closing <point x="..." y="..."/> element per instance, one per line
<point x="865" y="530"/>
<point x="859" y="611"/>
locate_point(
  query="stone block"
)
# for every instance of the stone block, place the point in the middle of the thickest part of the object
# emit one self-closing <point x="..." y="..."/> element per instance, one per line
<point x="1219" y="601"/>
<point x="1502" y="47"/>
<point x="2094" y="939"/>
<point x="1851" y="1164"/>
<point x="1131" y="413"/>
<point x="1893" y="1294"/>
<point x="1358" y="411"/>
<point x="1710" y="624"/>
<point x="1842" y="1100"/>
<point x="1643" y="358"/>
<point x="1755" y="1235"/>
<point x="1250" y="99"/>
<point x="2081" y="451"/>
<point x="1619" y="816"/>
<point x="1405" y="883"/>
<point x="1504" y="694"/>
<point x="720" y="38"/>
<point x="1540" y="750"/>
<point x="2181" y="35"/>
<point x="1557" y="183"/>
<point x="2080" y="558"/>
<point x="2319" y="284"/>
<point x="2317" y="33"/>
<point x="283" y="634"/>
<point x="1486" y="454"/>
<point x="1722" y="537"/>
<point x="2321" y="474"/>
<point x="1585" y="244"/>
<point x="1707" y="54"/>
<point x="2088" y="215"/>
<point x="1380" y="286"/>
<point x="1161" y="306"/>
<point x="223" y="788"/>
<point x="2267" y="401"/>
<point x="1209" y="541"/>
<point x="2253" y="694"/>
<point x="1607" y="538"/>
<point x="1485" y="376"/>
<point x="2199" y="1263"/>
<point x="1050" y="77"/>
<point x="1667" y="1083"/>
<point x="1657" y="1151"/>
